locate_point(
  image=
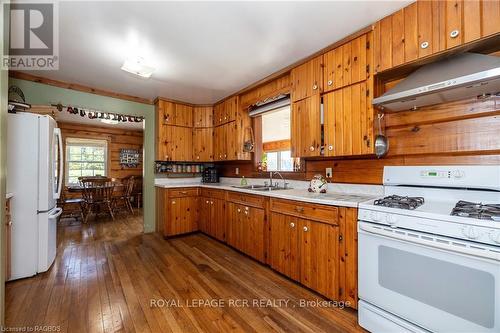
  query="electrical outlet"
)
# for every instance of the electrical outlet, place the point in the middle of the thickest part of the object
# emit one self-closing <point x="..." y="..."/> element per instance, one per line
<point x="329" y="172"/>
<point x="237" y="171"/>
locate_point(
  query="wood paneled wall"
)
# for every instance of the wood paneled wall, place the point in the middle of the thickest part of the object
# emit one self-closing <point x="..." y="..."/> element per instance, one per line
<point x="456" y="133"/>
<point x="117" y="139"/>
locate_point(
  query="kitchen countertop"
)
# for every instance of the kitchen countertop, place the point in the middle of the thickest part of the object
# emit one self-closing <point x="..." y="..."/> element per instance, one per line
<point x="332" y="198"/>
<point x="9" y="195"/>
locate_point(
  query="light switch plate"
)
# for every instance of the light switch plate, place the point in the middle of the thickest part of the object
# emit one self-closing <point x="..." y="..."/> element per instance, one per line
<point x="329" y="172"/>
<point x="237" y="171"/>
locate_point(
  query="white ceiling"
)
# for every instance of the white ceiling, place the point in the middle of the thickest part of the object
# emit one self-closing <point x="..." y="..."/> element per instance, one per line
<point x="202" y="51"/>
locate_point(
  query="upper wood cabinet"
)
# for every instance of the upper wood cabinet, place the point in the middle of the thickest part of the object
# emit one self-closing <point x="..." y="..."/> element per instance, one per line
<point x="203" y="144"/>
<point x="427" y="27"/>
<point x="203" y="116"/>
<point x="306" y="127"/>
<point x="226" y="111"/>
<point x="307" y="79"/>
<point x="348" y="121"/>
<point x="177" y="144"/>
<point x="175" y="114"/>
<point x="347" y="64"/>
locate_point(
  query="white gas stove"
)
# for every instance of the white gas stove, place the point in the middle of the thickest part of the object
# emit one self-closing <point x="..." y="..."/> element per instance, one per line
<point x="429" y="251"/>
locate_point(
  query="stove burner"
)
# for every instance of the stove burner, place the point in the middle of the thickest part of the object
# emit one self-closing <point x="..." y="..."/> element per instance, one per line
<point x="396" y="201"/>
<point x="477" y="210"/>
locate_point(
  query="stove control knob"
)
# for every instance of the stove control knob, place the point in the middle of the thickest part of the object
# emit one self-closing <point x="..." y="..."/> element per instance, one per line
<point x="391" y="219"/>
<point x="375" y="216"/>
<point x="470" y="232"/>
<point x="495" y="236"/>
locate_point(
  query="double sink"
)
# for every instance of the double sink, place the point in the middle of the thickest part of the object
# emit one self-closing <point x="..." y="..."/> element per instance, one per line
<point x="261" y="188"/>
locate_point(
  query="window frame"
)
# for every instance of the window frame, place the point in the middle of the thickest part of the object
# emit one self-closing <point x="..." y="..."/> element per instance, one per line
<point x="89" y="142"/>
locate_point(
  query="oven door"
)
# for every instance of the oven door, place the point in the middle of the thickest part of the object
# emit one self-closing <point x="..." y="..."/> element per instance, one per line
<point x="438" y="283"/>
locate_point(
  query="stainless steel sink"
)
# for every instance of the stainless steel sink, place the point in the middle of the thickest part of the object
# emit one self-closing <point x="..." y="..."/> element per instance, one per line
<point x="261" y="188"/>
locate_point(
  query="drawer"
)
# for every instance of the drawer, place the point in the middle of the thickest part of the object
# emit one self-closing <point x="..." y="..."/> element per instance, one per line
<point x="315" y="212"/>
<point x="183" y="192"/>
<point x="246" y="199"/>
<point x="212" y="193"/>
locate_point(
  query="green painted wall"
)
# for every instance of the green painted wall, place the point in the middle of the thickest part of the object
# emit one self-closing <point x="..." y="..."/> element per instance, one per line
<point x="42" y="94"/>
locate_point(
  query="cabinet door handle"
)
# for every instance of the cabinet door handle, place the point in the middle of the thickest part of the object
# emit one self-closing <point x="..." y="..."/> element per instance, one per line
<point x="311" y="148"/>
<point x="424" y="45"/>
<point x="330" y="82"/>
<point x="330" y="147"/>
<point x="239" y="210"/>
<point x="173" y="202"/>
<point x="454" y="33"/>
<point x="306" y="229"/>
<point x="299" y="209"/>
<point x="206" y="201"/>
<point x="292" y="225"/>
<point x="211" y="202"/>
<point x="315" y="87"/>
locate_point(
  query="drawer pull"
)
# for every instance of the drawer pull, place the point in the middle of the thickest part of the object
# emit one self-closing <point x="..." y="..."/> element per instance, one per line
<point x="299" y="209"/>
<point x="184" y="192"/>
<point x="292" y="225"/>
<point x="173" y="202"/>
<point x="306" y="229"/>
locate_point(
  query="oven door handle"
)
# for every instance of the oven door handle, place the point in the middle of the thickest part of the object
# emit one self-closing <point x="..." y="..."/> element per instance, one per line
<point x="483" y="254"/>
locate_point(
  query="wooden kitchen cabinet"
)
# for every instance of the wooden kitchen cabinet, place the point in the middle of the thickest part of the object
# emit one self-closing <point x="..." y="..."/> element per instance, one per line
<point x="348" y="121"/>
<point x="306" y="127"/>
<point x="203" y="144"/>
<point x="220" y="143"/>
<point x="203" y="116"/>
<point x="307" y="79"/>
<point x="175" y="143"/>
<point x="348" y="252"/>
<point x="182" y="211"/>
<point x="226" y="111"/>
<point x="212" y="213"/>
<point x="175" y="113"/>
<point x="347" y="64"/>
<point x="425" y="28"/>
<point x="304" y="248"/>
<point x="246" y="224"/>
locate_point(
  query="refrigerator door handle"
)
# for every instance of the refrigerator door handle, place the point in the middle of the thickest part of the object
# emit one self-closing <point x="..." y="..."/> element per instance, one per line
<point x="57" y="132"/>
<point x="56" y="213"/>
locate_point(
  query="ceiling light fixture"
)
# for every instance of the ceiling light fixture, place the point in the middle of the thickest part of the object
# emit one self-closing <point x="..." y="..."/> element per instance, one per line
<point x="137" y="66"/>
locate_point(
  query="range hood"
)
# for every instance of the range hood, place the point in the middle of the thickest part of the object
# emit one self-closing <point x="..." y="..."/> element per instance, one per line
<point x="458" y="77"/>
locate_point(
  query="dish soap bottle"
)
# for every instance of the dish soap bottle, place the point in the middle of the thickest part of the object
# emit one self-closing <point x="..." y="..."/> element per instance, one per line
<point x="243" y="181"/>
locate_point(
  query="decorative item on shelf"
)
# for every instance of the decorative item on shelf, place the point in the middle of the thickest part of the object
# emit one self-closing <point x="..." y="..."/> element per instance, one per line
<point x="17" y="102"/>
<point x="130" y="158"/>
<point x="318" y="184"/>
<point x="248" y="140"/>
<point x="94" y="114"/>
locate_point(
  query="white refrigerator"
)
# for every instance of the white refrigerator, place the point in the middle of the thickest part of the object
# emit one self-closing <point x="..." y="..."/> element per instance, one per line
<point x="34" y="176"/>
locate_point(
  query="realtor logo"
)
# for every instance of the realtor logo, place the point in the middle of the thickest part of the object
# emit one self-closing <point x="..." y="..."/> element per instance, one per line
<point x="33" y="36"/>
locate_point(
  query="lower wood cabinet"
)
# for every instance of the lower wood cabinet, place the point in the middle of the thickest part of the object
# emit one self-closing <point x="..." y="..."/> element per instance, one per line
<point x="178" y="210"/>
<point x="306" y="251"/>
<point x="313" y="244"/>
<point x="246" y="230"/>
<point x="212" y="217"/>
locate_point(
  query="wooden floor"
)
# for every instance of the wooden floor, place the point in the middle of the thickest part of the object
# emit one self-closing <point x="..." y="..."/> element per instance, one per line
<point x="107" y="274"/>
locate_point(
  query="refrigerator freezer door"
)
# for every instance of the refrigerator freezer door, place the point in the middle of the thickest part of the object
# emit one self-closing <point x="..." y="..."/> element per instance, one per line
<point x="47" y="243"/>
<point x="47" y="152"/>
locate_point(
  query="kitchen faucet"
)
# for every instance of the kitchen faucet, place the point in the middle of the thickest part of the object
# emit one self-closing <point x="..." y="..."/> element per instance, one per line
<point x="285" y="184"/>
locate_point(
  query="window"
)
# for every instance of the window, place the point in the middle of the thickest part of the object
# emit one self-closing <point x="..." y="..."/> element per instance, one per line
<point x="85" y="157"/>
<point x="276" y="141"/>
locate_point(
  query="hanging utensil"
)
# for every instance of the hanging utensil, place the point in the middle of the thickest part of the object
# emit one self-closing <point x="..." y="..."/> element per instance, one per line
<point x="381" y="142"/>
<point x="249" y="143"/>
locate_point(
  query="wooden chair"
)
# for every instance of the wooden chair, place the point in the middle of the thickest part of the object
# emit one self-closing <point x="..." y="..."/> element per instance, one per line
<point x="63" y="201"/>
<point x="97" y="192"/>
<point x="126" y="195"/>
<point x="137" y="192"/>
